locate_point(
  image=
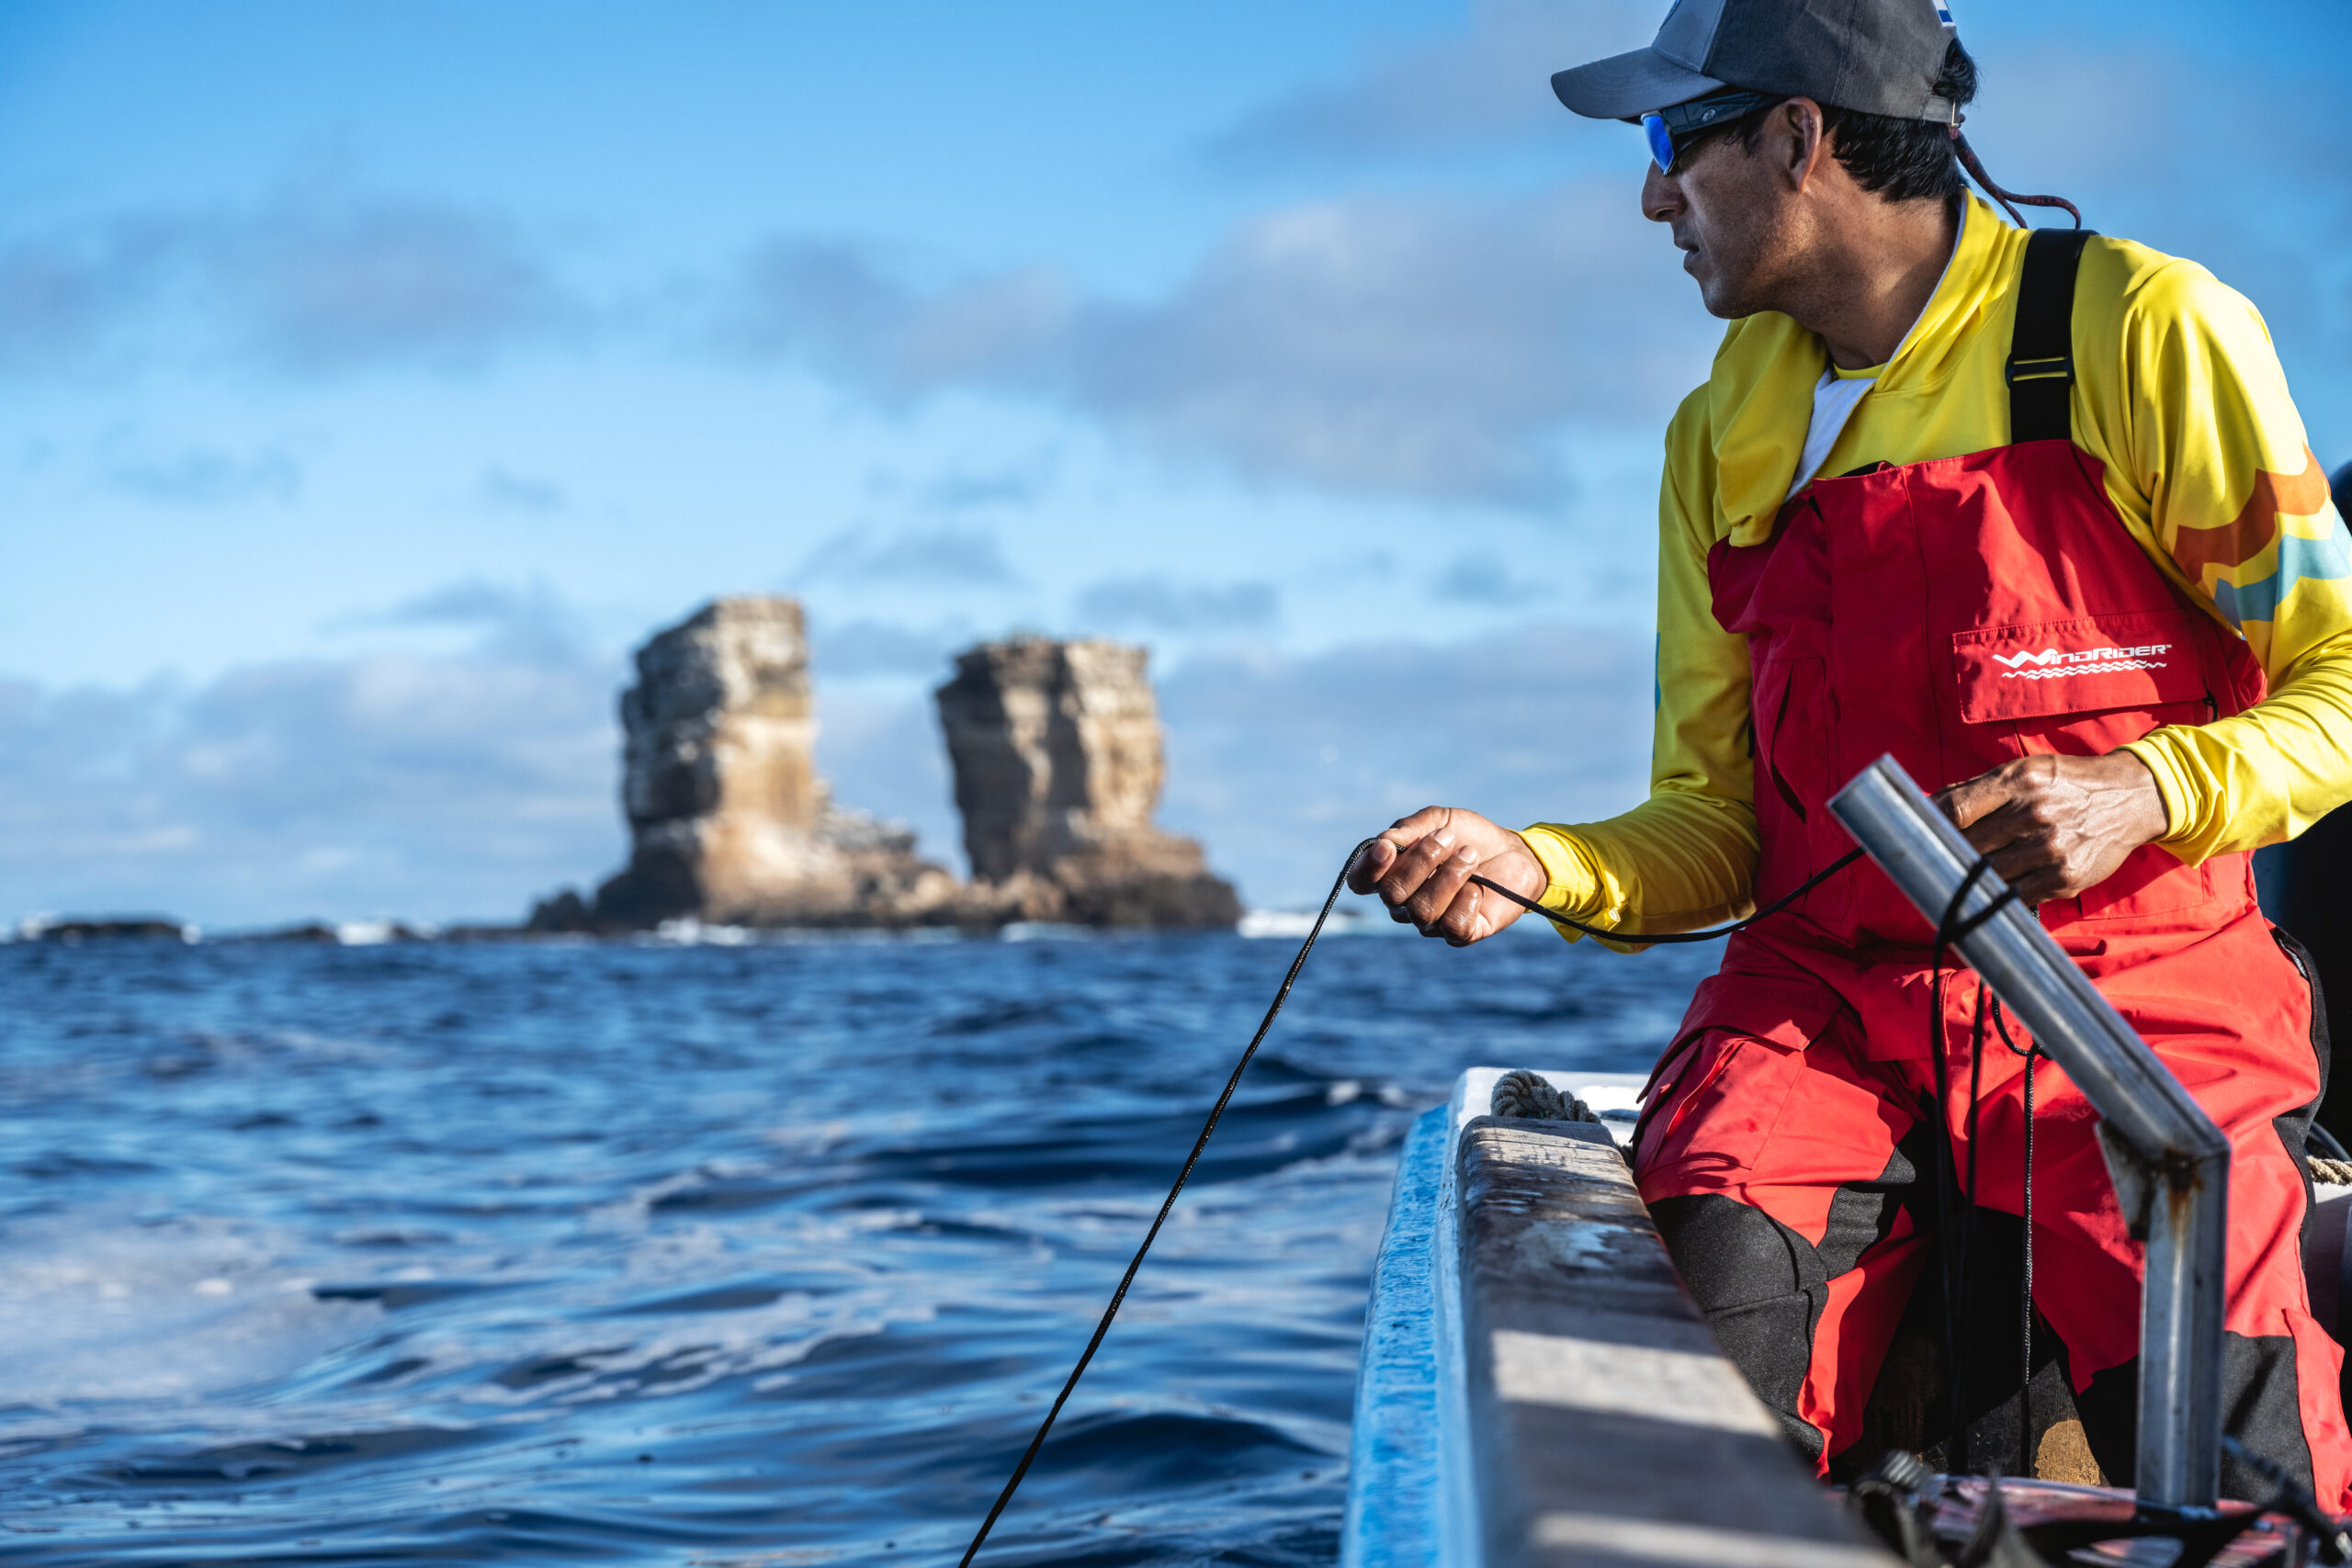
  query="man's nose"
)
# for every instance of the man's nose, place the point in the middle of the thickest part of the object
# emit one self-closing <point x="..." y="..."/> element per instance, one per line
<point x="1661" y="196"/>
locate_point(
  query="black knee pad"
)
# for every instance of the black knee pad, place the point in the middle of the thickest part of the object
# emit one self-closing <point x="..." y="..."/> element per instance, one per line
<point x="1730" y="1255"/>
<point x="1762" y="1287"/>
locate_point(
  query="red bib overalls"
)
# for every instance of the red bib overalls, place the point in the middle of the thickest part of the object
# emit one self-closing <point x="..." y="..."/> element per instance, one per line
<point x="1961" y="613"/>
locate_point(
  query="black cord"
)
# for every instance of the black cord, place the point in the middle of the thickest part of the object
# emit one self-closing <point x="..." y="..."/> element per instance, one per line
<point x="1716" y="934"/>
<point x="1953" y="1238"/>
<point x="2032" y="1053"/>
<point x="2025" y="1301"/>
<point x="1946" y="1231"/>
<point x="2007" y="198"/>
<point x="1119" y="1296"/>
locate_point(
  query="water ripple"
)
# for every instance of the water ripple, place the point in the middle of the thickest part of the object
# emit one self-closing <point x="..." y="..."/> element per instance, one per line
<point x="767" y="1254"/>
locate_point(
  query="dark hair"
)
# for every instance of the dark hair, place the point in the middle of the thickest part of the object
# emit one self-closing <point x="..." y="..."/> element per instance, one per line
<point x="1901" y="160"/>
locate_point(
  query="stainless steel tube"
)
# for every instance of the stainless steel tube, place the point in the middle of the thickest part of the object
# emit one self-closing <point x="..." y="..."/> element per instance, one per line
<point x="2171" y="1164"/>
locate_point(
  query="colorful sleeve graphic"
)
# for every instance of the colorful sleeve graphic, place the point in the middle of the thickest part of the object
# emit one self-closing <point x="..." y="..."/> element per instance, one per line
<point x="2286" y="533"/>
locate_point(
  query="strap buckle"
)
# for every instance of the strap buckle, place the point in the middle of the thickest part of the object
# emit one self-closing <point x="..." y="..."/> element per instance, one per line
<point x="2059" y="367"/>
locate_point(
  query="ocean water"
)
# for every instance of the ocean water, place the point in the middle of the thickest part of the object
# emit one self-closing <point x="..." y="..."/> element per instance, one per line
<point x="764" y="1254"/>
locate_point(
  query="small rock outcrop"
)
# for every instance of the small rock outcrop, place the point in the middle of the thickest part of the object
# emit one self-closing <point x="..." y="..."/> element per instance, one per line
<point x="730" y="822"/>
<point x="1058" y="763"/>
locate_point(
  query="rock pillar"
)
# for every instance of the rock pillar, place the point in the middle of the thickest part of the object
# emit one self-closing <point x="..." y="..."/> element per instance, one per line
<point x="730" y="822"/>
<point x="1059" y="762"/>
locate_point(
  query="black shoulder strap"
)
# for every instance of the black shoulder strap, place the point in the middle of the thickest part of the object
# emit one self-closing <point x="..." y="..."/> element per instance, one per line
<point x="2041" y="351"/>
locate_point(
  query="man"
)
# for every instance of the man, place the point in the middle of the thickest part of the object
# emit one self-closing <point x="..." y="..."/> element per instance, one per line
<point x="2050" y="532"/>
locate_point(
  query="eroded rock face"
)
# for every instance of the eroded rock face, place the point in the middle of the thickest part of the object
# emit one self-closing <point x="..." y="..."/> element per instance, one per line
<point x="1058" y="765"/>
<point x="730" y="822"/>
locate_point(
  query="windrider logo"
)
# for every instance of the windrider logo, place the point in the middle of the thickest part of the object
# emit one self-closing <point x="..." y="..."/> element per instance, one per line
<point x="2052" y="664"/>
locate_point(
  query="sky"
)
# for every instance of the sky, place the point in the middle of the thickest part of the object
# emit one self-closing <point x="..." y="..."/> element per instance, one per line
<point x="374" y="377"/>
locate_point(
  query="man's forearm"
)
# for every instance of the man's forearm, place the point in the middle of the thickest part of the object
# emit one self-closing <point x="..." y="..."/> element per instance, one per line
<point x="1678" y="861"/>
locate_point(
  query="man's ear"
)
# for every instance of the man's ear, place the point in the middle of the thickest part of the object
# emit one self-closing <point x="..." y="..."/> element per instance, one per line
<point x="1805" y="141"/>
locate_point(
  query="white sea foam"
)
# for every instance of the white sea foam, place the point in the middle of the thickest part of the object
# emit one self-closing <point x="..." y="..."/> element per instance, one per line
<point x="1042" y="930"/>
<point x="1295" y="923"/>
<point x="100" y="1306"/>
<point x="691" y="932"/>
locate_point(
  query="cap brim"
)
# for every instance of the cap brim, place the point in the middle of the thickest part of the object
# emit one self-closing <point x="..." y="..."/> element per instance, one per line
<point x="1625" y="85"/>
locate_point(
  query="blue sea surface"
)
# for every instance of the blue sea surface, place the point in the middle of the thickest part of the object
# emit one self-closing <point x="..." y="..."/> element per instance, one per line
<point x="768" y="1254"/>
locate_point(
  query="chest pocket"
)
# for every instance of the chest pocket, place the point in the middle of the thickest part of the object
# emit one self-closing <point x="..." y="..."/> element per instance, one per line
<point x="2146" y="660"/>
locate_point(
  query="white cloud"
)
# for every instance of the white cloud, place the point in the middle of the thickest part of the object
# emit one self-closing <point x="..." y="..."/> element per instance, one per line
<point x="201" y="476"/>
<point x="1487" y="84"/>
<point x="946" y="556"/>
<point x="313" y="280"/>
<point x="1487" y="579"/>
<point x="427" y="787"/>
<point x="1281" y="764"/>
<point x="1160" y="604"/>
<point x="1424" y="347"/>
<point x="530" y="624"/>
<point x="504" y="488"/>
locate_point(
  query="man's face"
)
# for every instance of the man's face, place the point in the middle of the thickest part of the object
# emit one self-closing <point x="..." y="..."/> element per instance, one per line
<point x="1728" y="214"/>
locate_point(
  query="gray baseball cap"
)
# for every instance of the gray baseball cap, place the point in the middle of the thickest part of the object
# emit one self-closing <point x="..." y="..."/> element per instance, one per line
<point x="1870" y="56"/>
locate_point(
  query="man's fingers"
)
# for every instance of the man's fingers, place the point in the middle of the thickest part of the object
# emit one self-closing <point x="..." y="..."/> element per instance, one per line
<point x="1379" y="863"/>
<point x="1422" y="868"/>
<point x="1983" y="797"/>
<point x="1990" y="835"/>
<point x="2050" y="881"/>
<point x="1413" y="865"/>
<point x="2039" y="865"/>
<point x="1460" y="918"/>
<point x="2021" y="858"/>
<point x="1966" y="802"/>
<point x="1464" y="920"/>
<point x="1444" y="878"/>
<point x="1372" y="865"/>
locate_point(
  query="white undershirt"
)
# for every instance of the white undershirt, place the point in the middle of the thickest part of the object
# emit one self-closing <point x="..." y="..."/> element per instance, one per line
<point x="1835" y="397"/>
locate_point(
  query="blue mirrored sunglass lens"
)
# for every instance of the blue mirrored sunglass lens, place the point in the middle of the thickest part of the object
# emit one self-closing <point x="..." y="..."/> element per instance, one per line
<point x="1661" y="141"/>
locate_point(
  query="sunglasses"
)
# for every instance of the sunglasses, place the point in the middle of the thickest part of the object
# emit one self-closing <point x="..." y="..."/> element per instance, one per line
<point x="1670" y="131"/>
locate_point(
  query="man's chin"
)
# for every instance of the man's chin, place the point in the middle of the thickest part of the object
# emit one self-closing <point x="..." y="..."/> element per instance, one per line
<point x="1718" y="299"/>
<point x="1723" y="299"/>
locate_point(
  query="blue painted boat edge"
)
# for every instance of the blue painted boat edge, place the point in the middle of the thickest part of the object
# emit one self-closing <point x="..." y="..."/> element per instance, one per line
<point x="1392" y="1508"/>
<point x="1412" y="1495"/>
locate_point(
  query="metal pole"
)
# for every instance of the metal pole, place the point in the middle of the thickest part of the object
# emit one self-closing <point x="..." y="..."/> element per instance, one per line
<point x="2171" y="1164"/>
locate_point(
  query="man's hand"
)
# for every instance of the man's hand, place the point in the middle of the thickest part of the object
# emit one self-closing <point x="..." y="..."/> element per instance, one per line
<point x="2053" y="826"/>
<point x="1422" y="869"/>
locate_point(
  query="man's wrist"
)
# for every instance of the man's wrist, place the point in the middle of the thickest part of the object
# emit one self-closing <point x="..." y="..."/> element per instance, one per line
<point x="1565" y="864"/>
<point x="2164" y="781"/>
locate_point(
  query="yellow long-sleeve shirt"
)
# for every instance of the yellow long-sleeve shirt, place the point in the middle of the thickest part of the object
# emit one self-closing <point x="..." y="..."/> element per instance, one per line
<point x="2178" y="393"/>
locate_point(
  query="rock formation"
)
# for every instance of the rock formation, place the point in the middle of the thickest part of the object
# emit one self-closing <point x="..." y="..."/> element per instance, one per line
<point x="1057" y="757"/>
<point x="730" y="822"/>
